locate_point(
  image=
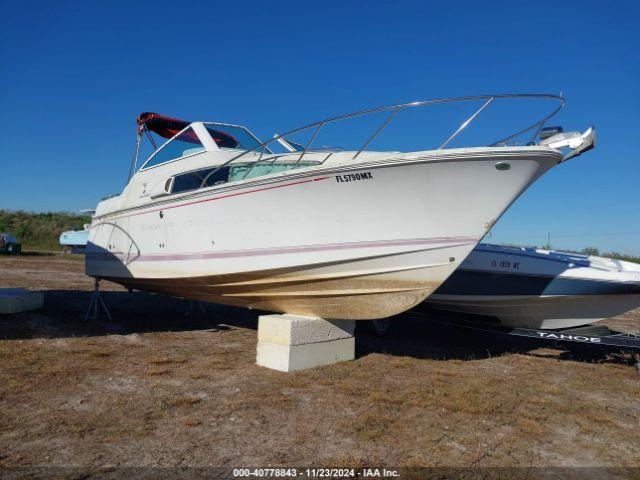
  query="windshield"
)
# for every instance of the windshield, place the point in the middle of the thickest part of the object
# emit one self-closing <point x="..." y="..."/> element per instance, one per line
<point x="184" y="144"/>
<point x="187" y="142"/>
<point x="232" y="136"/>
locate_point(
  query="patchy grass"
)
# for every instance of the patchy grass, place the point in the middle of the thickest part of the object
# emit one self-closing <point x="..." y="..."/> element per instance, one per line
<point x="167" y="361"/>
<point x="158" y="371"/>
<point x="154" y="388"/>
<point x="184" y="401"/>
<point x="191" y="422"/>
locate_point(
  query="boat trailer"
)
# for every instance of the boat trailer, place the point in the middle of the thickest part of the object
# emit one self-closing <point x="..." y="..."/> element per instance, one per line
<point x="589" y="335"/>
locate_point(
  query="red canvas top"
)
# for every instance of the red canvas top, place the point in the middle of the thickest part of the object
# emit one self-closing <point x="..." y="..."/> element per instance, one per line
<point x="168" y="127"/>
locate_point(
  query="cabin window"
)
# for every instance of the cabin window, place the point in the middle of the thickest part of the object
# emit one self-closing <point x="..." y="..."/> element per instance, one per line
<point x="242" y="172"/>
<point x="193" y="180"/>
<point x="186" y="182"/>
<point x="183" y="145"/>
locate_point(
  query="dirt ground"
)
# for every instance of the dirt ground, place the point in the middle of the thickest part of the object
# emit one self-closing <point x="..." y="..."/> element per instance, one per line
<point x="154" y="387"/>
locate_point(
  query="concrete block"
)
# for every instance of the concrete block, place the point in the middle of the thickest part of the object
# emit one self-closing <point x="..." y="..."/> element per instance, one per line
<point x="296" y="330"/>
<point x="15" y="300"/>
<point x="289" y="342"/>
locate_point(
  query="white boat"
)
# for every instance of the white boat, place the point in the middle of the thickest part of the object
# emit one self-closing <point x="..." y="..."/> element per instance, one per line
<point x="75" y="241"/>
<point x="540" y="289"/>
<point x="217" y="215"/>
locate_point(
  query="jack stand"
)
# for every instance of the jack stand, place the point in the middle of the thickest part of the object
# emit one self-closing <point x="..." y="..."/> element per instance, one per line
<point x="189" y="310"/>
<point x="96" y="304"/>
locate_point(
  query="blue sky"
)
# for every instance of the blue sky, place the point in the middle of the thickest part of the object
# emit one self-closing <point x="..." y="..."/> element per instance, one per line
<point x="74" y="75"/>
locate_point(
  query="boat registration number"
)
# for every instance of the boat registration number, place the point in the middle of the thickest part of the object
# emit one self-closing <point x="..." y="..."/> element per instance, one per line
<point x="505" y="264"/>
<point x="354" y="177"/>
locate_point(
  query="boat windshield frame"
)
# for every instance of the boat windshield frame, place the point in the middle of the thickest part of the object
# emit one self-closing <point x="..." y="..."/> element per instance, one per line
<point x="206" y="140"/>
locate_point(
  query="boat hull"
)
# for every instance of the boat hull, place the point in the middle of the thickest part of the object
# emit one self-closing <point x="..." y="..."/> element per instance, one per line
<point x="540" y="289"/>
<point x="539" y="312"/>
<point x="375" y="287"/>
<point x="350" y="242"/>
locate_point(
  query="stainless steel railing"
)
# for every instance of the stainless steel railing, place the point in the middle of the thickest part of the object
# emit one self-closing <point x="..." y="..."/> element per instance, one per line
<point x="394" y="110"/>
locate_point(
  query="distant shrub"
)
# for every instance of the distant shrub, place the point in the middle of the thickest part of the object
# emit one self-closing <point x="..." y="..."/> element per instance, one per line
<point x="590" y="251"/>
<point x="40" y="230"/>
<point x="622" y="256"/>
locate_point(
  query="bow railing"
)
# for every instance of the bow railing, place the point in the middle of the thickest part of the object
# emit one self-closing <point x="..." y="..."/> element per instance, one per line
<point x="394" y="110"/>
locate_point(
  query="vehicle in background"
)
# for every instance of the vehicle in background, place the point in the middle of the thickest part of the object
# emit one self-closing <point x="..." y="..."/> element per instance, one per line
<point x="9" y="245"/>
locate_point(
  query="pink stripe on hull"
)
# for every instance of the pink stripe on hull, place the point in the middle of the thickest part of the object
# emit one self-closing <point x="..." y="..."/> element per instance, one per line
<point x="446" y="241"/>
<point x="212" y="199"/>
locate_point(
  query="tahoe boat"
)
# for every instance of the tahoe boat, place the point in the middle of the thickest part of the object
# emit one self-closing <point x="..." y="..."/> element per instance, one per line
<point x="215" y="214"/>
<point x="539" y="289"/>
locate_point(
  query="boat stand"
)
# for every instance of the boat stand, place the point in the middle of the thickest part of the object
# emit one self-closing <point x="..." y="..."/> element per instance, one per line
<point x="289" y="342"/>
<point x="96" y="304"/>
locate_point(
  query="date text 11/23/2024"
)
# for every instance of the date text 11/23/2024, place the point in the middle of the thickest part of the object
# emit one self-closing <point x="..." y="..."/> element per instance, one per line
<point x="315" y="473"/>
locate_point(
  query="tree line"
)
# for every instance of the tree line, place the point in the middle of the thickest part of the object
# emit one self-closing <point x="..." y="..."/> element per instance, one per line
<point x="40" y="231"/>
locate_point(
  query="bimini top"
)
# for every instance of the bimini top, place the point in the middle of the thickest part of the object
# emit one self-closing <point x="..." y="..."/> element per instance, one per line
<point x="168" y="127"/>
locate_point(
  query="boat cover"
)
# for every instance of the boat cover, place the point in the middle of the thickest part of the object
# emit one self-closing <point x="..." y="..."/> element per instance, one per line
<point x="168" y="127"/>
<point x="164" y="126"/>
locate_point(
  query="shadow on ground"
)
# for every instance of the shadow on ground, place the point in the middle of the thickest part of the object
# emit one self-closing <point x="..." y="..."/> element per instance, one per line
<point x="413" y="335"/>
<point x="36" y="253"/>
<point x="63" y="316"/>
